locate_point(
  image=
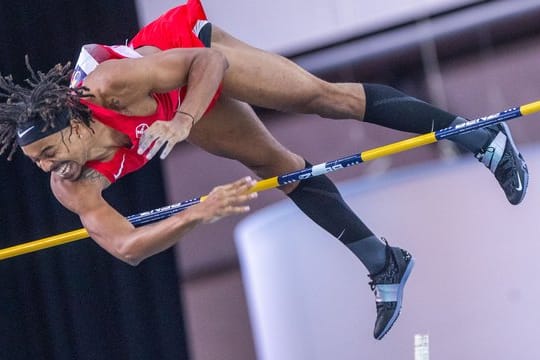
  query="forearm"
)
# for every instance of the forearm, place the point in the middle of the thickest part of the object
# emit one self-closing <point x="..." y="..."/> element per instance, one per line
<point x="200" y="71"/>
<point x="148" y="240"/>
<point x="223" y="201"/>
<point x="121" y="239"/>
<point x="204" y="78"/>
<point x="132" y="245"/>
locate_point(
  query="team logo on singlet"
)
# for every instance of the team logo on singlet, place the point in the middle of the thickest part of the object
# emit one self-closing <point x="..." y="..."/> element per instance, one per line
<point x="77" y="78"/>
<point x="140" y="129"/>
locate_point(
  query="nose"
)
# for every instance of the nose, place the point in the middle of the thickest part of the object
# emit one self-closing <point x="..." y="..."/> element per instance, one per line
<point x="45" y="165"/>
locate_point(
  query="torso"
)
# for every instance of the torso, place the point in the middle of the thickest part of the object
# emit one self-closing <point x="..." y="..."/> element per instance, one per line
<point x="123" y="146"/>
<point x="126" y="122"/>
<point x="123" y="111"/>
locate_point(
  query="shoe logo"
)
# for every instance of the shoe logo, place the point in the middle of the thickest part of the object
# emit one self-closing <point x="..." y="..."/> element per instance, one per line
<point x="22" y="133"/>
<point x="520" y="185"/>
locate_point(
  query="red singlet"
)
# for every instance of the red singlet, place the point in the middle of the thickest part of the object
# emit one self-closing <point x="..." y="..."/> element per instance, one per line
<point x="125" y="160"/>
<point x="177" y="28"/>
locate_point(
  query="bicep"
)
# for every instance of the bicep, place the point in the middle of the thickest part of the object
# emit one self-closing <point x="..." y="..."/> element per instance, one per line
<point x="103" y="223"/>
<point x="160" y="72"/>
<point x="168" y="70"/>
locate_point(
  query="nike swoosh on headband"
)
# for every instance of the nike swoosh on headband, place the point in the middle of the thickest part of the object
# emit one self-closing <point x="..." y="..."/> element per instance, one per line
<point x="20" y="133"/>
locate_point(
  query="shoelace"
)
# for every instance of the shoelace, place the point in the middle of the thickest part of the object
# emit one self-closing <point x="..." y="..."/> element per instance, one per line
<point x="505" y="168"/>
<point x="489" y="151"/>
<point x="372" y="283"/>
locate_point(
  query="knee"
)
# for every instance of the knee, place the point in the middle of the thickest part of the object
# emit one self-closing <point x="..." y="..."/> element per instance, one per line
<point x="277" y="166"/>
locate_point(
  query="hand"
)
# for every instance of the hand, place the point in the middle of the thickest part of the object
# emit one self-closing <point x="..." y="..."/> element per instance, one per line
<point x="225" y="200"/>
<point x="165" y="133"/>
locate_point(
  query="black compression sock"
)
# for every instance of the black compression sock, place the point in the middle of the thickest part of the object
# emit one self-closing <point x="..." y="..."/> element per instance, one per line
<point x="321" y="201"/>
<point x="393" y="109"/>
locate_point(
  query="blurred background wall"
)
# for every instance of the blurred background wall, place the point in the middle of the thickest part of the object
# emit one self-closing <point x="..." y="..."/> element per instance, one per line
<point x="470" y="57"/>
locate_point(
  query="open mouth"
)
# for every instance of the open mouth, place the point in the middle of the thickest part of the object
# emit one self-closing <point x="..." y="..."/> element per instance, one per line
<point x="67" y="170"/>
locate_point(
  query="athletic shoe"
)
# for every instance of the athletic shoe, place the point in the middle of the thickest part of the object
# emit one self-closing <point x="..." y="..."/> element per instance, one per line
<point x="503" y="159"/>
<point x="388" y="287"/>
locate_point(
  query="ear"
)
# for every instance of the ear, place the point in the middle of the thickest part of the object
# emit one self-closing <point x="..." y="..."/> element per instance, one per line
<point x="76" y="127"/>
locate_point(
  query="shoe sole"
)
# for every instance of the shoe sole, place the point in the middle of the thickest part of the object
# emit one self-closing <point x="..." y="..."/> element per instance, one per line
<point x="399" y="299"/>
<point x="525" y="180"/>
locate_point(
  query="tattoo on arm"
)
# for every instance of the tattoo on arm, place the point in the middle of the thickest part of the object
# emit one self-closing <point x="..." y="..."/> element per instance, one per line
<point x="92" y="175"/>
<point x="114" y="104"/>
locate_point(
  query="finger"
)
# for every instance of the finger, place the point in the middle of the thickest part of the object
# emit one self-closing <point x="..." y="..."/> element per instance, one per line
<point x="240" y="210"/>
<point x="244" y="180"/>
<point x="236" y="188"/>
<point x="146" y="140"/>
<point x="247" y="186"/>
<point x="243" y="183"/>
<point x="245" y="197"/>
<point x="235" y="210"/>
<point x="167" y="150"/>
<point x="232" y="187"/>
<point x="240" y="187"/>
<point x="154" y="150"/>
<point x="228" y="211"/>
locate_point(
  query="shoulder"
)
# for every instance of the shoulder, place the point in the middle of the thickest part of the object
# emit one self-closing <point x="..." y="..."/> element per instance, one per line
<point x="118" y="83"/>
<point x="81" y="195"/>
<point x="108" y="76"/>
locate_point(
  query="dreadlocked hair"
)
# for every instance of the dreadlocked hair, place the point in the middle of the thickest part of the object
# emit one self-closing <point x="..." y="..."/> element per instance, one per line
<point x="45" y="96"/>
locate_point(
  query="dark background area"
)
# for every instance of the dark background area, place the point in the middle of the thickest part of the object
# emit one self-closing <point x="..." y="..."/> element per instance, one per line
<point x="75" y="301"/>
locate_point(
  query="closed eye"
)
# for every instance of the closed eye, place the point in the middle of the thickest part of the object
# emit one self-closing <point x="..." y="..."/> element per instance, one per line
<point x="48" y="152"/>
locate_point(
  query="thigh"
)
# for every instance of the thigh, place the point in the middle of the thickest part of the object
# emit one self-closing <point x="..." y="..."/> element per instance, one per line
<point x="265" y="79"/>
<point x="233" y="130"/>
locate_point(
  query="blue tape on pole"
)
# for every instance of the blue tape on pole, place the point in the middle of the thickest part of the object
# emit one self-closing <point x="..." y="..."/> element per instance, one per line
<point x="161" y="213"/>
<point x="477" y="123"/>
<point x="320" y="169"/>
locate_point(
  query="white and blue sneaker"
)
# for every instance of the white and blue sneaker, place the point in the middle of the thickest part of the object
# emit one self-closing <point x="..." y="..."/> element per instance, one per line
<point x="504" y="160"/>
<point x="388" y="286"/>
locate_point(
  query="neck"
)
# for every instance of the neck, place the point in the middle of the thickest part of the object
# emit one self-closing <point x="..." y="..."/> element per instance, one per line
<point x="104" y="141"/>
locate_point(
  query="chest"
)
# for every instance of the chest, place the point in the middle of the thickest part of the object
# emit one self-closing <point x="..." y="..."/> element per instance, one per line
<point x="145" y="106"/>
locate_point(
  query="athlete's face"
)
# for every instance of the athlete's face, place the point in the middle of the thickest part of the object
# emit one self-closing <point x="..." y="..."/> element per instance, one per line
<point x="62" y="153"/>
